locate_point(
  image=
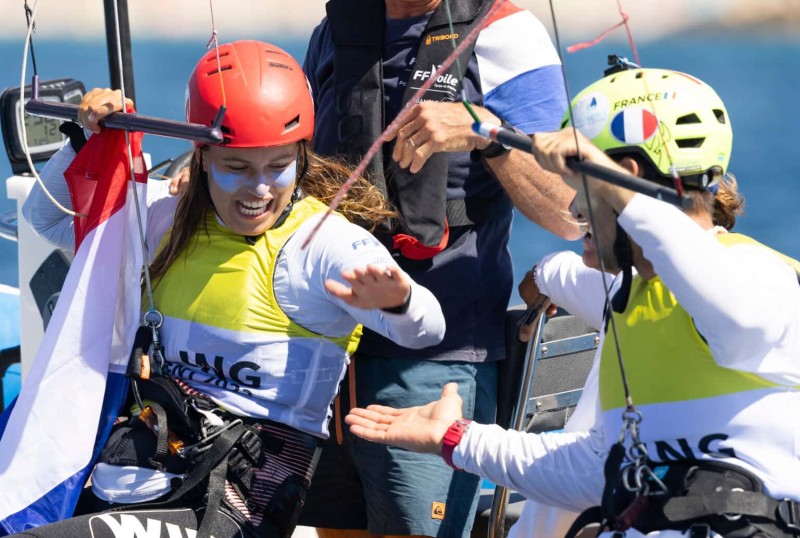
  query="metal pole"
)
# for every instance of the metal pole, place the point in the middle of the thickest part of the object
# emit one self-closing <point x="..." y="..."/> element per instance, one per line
<point x="497" y="516"/>
<point x="125" y="41"/>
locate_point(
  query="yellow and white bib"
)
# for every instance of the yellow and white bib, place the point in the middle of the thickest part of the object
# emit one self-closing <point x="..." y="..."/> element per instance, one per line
<point x="225" y="334"/>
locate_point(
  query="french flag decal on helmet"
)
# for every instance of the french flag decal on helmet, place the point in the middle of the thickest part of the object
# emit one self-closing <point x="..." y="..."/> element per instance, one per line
<point x="634" y="125"/>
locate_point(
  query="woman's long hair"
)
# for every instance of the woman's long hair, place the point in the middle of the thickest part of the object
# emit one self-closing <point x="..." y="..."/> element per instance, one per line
<point x="363" y="205"/>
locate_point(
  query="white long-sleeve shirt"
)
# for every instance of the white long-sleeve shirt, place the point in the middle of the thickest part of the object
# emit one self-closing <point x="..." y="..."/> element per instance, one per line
<point x="296" y="281"/>
<point x="744" y="301"/>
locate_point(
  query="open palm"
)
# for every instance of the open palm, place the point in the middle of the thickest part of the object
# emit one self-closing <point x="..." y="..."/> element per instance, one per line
<point x="419" y="429"/>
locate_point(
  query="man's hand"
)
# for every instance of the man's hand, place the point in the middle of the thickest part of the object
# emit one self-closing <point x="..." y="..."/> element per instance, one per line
<point x="420" y="429"/>
<point x="435" y="127"/>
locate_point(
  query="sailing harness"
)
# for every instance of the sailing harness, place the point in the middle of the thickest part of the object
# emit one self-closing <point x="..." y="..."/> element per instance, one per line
<point x="357" y="30"/>
<point x="254" y="471"/>
<point x="696" y="497"/>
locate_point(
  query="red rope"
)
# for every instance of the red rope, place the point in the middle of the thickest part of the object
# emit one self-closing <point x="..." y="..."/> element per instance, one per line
<point x="373" y="149"/>
<point x="624" y="22"/>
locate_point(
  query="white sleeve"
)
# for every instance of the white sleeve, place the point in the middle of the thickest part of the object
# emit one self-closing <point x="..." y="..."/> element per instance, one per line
<point x="338" y="246"/>
<point x="743" y="298"/>
<point x="48" y="221"/>
<point x="560" y="469"/>
<point x="161" y="206"/>
<point x="57" y="227"/>
<point x="573" y="286"/>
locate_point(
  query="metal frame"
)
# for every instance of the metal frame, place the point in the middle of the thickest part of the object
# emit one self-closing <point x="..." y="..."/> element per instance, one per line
<point x="525" y="405"/>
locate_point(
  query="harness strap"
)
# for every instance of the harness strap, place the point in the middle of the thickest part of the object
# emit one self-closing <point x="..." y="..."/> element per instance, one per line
<point x="746" y="503"/>
<point x="161" y="430"/>
<point x="219" y="451"/>
<point x="587" y="517"/>
<point x="216" y="490"/>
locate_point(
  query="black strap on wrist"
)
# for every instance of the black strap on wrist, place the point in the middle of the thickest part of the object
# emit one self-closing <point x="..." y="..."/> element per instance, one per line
<point x="400" y="309"/>
<point x="495" y="149"/>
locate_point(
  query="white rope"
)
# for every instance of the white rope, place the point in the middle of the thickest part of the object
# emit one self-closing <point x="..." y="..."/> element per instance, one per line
<point x="21" y="118"/>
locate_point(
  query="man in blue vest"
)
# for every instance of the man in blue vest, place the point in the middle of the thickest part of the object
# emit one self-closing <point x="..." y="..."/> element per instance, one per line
<point x="455" y="193"/>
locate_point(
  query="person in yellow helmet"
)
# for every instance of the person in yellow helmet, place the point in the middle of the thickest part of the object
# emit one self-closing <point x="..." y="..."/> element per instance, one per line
<point x="706" y="322"/>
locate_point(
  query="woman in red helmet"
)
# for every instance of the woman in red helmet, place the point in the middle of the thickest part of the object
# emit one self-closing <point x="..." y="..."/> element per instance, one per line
<point x="257" y="331"/>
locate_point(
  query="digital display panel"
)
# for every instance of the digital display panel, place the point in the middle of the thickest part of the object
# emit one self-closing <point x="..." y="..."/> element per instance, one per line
<point x="40" y="134"/>
<point x="41" y="131"/>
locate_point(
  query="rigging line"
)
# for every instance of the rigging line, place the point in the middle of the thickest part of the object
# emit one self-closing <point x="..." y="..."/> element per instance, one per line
<point x="373" y="149"/>
<point x="625" y="18"/>
<point x="595" y="240"/>
<point x="624" y="22"/>
<point x="21" y="116"/>
<point x="131" y="168"/>
<point x="28" y="15"/>
<point x="213" y="40"/>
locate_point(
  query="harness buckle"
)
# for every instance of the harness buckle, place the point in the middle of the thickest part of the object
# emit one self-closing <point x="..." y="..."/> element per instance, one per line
<point x="789" y="514"/>
<point x="733" y="517"/>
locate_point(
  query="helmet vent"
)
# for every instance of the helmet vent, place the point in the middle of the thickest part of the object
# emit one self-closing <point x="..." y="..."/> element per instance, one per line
<point x="215" y="71"/>
<point x="720" y="115"/>
<point x="687" y="119"/>
<point x="213" y="58"/>
<point x="291" y="124"/>
<point x="690" y="142"/>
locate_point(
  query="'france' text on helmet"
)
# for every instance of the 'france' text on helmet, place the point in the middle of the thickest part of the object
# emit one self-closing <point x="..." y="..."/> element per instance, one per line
<point x="668" y="117"/>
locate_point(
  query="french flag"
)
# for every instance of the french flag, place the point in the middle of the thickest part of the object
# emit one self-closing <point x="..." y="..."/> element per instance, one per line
<point x="634" y="125"/>
<point x="61" y="419"/>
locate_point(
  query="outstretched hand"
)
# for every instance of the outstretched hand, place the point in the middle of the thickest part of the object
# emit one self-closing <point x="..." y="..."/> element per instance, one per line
<point x="419" y="429"/>
<point x="372" y="287"/>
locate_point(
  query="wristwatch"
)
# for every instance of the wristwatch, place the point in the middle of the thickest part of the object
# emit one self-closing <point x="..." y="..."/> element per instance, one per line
<point x="451" y="439"/>
<point x="495" y="149"/>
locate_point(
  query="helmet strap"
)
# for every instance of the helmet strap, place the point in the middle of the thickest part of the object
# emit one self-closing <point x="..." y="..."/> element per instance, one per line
<point x="296" y="194"/>
<point x="623" y="252"/>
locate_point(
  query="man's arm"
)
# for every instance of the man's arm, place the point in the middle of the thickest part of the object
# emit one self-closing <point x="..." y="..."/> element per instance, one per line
<point x="541" y="196"/>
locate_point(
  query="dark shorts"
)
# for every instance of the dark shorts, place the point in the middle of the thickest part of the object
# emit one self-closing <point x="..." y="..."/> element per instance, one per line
<point x="386" y="490"/>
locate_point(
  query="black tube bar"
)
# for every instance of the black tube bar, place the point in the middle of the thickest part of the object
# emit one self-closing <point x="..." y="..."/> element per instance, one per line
<point x="129" y="122"/>
<point x="123" y="23"/>
<point x="522" y="142"/>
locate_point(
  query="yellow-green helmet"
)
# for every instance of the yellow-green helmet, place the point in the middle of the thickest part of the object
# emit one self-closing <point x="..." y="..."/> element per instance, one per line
<point x="623" y="112"/>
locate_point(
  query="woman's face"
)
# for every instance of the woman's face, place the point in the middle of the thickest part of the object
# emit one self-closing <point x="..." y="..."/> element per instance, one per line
<point x="250" y="187"/>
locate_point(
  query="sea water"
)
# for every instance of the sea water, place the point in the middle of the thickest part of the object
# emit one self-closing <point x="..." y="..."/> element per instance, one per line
<point x="757" y="76"/>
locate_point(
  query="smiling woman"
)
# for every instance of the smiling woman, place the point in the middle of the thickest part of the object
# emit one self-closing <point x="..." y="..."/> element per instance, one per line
<point x="257" y="332"/>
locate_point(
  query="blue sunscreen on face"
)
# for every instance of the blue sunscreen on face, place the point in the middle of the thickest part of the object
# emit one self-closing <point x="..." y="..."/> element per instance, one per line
<point x="259" y="184"/>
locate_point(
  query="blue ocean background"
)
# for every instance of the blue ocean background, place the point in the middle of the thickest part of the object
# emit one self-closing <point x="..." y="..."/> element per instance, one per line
<point x="758" y="76"/>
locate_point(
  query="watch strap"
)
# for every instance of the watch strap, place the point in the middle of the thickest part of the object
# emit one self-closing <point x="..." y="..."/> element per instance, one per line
<point x="495" y="149"/>
<point x="451" y="439"/>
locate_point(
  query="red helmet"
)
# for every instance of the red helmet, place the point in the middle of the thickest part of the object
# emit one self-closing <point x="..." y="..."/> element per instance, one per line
<point x="267" y="96"/>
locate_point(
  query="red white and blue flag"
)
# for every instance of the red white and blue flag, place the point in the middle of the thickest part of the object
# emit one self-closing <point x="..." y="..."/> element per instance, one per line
<point x="51" y="437"/>
<point x="634" y="125"/>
